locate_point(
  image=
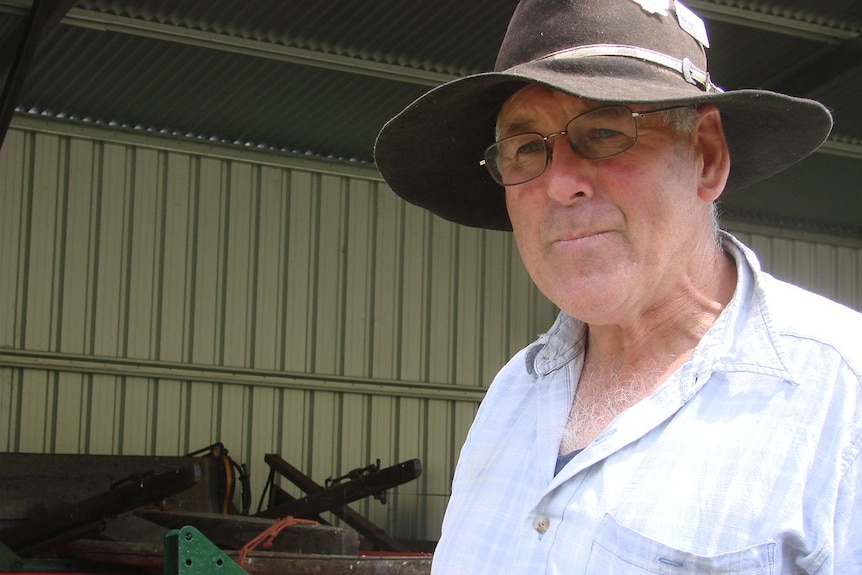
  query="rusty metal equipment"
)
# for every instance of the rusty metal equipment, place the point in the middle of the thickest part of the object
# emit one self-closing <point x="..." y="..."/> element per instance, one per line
<point x="58" y="504"/>
<point x="51" y="528"/>
<point x="368" y="481"/>
<point x="372" y="483"/>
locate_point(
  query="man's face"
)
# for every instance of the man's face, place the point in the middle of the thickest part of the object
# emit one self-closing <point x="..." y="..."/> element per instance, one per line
<point x="606" y="240"/>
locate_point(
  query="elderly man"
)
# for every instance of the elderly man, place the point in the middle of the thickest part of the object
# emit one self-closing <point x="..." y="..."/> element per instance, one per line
<point x="686" y="413"/>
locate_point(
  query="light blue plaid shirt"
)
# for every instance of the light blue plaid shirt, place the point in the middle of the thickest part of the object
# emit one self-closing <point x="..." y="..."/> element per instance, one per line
<point x="746" y="460"/>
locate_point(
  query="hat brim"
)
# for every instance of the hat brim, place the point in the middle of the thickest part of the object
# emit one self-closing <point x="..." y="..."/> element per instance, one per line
<point x="429" y="153"/>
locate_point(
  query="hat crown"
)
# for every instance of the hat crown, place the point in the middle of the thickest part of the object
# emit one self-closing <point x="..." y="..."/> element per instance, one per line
<point x="539" y="28"/>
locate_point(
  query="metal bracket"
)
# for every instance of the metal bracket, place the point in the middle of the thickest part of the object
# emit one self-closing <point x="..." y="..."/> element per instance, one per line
<point x="188" y="552"/>
<point x="355" y="474"/>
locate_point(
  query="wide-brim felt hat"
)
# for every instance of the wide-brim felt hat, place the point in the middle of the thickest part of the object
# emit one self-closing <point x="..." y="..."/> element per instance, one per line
<point x="610" y="51"/>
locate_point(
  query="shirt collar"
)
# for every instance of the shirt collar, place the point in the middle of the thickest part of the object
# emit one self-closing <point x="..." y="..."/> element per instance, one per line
<point x="747" y="327"/>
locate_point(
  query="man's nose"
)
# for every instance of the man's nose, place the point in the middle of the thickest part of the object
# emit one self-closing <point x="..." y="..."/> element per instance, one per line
<point x="568" y="177"/>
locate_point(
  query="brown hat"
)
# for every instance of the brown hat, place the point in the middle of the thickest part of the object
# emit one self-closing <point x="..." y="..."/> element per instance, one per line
<point x="614" y="51"/>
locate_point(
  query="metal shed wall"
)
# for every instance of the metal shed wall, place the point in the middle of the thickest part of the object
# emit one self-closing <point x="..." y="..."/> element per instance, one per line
<point x="160" y="295"/>
<point x="824" y="264"/>
<point x="157" y="300"/>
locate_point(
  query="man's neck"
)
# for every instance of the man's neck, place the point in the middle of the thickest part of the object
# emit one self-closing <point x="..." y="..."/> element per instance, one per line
<point x="671" y="327"/>
<point x="624" y="364"/>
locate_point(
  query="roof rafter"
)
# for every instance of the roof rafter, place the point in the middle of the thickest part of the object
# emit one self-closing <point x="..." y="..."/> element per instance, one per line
<point x="749" y="18"/>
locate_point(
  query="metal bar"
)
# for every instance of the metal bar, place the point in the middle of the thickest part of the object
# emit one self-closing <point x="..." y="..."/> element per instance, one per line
<point x="378" y="537"/>
<point x="179" y="142"/>
<point x="126" y="497"/>
<point x="65" y="362"/>
<point x="279" y="52"/>
<point x="341" y="494"/>
<point x="810" y="28"/>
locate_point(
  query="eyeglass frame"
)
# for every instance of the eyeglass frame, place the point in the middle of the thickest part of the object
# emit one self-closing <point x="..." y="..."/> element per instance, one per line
<point x="549" y="149"/>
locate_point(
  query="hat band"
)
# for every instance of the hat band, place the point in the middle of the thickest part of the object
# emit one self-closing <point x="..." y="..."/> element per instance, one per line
<point x="691" y="73"/>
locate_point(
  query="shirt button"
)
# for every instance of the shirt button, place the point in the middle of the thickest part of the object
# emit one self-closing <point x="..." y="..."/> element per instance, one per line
<point x="541" y="524"/>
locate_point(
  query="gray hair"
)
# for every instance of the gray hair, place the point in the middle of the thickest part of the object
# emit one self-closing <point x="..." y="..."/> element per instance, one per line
<point x="680" y="120"/>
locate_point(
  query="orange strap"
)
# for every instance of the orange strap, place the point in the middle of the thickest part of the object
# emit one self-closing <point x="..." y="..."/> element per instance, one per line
<point x="268" y="535"/>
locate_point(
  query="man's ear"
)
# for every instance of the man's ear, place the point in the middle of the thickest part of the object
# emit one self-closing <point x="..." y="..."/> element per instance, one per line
<point x="711" y="149"/>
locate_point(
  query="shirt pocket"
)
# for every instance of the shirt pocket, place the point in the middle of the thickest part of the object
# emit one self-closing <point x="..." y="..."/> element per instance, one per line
<point x="619" y="550"/>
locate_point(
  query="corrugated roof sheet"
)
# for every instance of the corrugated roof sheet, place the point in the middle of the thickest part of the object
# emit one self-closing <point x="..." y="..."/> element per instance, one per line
<point x="322" y="78"/>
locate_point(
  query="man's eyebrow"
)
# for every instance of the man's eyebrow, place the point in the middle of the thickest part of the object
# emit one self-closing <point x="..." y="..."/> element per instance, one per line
<point x="514" y="127"/>
<point x="519" y="126"/>
<point x="522" y="124"/>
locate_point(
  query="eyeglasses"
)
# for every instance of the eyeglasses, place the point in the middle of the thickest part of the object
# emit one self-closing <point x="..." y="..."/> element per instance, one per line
<point x="594" y="135"/>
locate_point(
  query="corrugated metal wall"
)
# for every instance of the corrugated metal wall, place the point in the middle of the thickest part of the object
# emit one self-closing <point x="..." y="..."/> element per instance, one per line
<point x="831" y="266"/>
<point x="157" y="301"/>
<point x="158" y="297"/>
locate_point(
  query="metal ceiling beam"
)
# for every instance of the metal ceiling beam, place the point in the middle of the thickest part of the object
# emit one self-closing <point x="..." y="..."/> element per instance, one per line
<point x="825" y="66"/>
<point x="838" y="146"/>
<point x="214" y="41"/>
<point x="41" y="14"/>
<point x="787" y="26"/>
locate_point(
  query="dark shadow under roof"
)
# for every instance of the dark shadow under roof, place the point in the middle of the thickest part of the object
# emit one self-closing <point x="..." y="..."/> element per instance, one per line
<point x="320" y="78"/>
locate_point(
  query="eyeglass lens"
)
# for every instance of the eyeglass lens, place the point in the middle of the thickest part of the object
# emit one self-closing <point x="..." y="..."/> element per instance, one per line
<point x="594" y="135"/>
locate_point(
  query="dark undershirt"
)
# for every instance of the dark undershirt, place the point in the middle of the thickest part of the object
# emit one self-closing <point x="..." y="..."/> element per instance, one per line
<point x="562" y="460"/>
